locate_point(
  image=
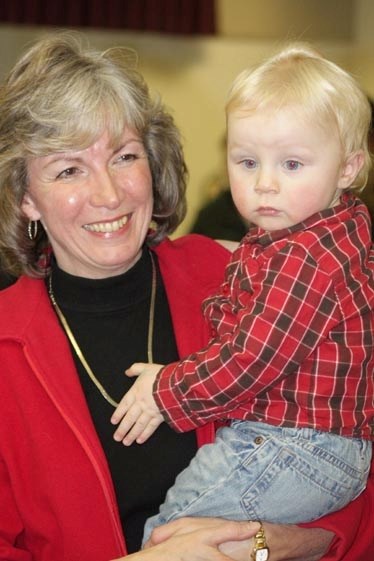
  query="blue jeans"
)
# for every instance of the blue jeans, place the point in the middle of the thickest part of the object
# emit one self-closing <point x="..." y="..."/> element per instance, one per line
<point x="256" y="471"/>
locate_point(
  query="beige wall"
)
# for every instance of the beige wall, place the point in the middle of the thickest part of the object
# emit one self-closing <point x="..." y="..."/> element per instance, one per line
<point x="194" y="74"/>
<point x="296" y="19"/>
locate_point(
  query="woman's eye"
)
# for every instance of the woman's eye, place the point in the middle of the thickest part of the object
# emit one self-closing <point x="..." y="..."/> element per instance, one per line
<point x="292" y="165"/>
<point x="250" y="164"/>
<point x="68" y="172"/>
<point x="126" y="158"/>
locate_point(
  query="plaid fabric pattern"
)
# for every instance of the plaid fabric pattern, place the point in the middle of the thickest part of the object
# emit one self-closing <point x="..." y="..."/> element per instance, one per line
<point x="292" y="332"/>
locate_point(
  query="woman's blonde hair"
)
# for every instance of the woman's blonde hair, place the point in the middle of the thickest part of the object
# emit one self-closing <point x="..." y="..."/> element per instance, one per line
<point x="60" y="96"/>
<point x="319" y="90"/>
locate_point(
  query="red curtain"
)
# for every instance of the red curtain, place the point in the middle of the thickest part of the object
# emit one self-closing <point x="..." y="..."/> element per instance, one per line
<point x="164" y="16"/>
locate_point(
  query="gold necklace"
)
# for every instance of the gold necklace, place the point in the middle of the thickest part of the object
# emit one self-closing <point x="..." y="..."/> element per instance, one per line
<point x="76" y="347"/>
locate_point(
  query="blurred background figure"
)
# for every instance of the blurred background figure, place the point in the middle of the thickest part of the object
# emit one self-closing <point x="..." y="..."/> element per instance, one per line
<point x="218" y="217"/>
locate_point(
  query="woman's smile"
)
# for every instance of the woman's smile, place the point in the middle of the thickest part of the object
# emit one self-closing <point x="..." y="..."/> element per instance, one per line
<point x="108" y="227"/>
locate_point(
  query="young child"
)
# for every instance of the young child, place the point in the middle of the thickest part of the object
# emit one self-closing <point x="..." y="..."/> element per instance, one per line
<point x="291" y="358"/>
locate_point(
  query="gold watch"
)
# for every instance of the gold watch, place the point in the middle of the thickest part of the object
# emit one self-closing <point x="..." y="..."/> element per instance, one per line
<point x="260" y="550"/>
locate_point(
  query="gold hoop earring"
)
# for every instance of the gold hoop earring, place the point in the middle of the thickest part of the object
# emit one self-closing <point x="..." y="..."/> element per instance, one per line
<point x="32" y="229"/>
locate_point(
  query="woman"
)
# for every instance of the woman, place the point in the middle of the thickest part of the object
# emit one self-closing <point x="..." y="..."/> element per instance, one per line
<point x="88" y="160"/>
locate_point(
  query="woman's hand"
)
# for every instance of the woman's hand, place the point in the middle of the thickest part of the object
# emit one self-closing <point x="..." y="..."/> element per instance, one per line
<point x="199" y="540"/>
<point x="237" y="548"/>
<point x="137" y="414"/>
<point x="216" y="539"/>
<point x="286" y="542"/>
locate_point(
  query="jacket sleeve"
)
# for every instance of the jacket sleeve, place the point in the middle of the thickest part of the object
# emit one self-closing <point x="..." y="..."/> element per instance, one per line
<point x="10" y="523"/>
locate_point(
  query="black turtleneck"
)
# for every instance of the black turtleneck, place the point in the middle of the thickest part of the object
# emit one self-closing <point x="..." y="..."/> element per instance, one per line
<point x="109" y="319"/>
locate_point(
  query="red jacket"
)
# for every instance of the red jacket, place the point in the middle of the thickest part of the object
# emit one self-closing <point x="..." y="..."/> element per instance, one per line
<point x="56" y="496"/>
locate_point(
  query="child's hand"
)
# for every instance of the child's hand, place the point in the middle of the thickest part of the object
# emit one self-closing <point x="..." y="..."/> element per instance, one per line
<point x="137" y="412"/>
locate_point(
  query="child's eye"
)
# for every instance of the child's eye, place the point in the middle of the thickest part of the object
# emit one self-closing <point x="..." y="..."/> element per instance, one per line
<point x="249" y="163"/>
<point x="292" y="165"/>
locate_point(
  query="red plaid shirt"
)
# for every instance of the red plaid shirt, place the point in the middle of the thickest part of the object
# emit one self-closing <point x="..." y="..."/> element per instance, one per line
<point x="293" y="332"/>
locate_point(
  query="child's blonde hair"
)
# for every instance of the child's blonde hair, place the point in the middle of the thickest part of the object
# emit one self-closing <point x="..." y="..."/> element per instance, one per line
<point x="321" y="91"/>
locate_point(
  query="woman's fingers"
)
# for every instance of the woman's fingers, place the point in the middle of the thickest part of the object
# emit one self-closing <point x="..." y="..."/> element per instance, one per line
<point x="198" y="544"/>
<point x="220" y="529"/>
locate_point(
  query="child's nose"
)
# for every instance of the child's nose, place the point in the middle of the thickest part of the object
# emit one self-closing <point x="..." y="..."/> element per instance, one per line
<point x="267" y="181"/>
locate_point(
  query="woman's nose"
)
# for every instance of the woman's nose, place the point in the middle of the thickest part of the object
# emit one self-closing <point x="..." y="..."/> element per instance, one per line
<point x="104" y="190"/>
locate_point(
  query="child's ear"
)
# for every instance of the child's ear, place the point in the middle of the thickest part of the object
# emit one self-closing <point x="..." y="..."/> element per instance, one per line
<point x="29" y="208"/>
<point x="351" y="168"/>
